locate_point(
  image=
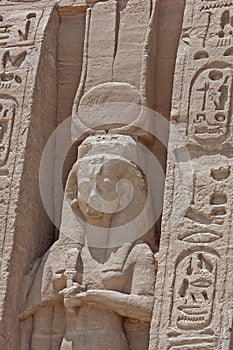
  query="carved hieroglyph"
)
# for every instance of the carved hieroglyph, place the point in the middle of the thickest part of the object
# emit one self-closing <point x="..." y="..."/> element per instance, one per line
<point x="194" y="283"/>
<point x="89" y="291"/>
<point x="22" y="30"/>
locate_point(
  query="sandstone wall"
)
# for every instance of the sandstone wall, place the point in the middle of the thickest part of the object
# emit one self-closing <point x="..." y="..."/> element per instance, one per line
<point x="62" y="64"/>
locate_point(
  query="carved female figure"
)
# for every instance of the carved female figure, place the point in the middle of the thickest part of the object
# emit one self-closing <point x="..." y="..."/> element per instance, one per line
<point x="107" y="291"/>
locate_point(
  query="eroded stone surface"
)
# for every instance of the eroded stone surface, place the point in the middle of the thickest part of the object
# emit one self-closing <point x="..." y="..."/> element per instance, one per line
<point x="25" y="37"/>
<point x="103" y="63"/>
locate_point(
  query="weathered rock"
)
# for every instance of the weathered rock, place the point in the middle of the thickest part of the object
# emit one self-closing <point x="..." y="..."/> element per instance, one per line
<point x="28" y="56"/>
<point x="85" y="102"/>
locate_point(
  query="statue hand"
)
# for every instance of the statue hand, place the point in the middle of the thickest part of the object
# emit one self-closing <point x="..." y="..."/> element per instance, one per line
<point x="74" y="300"/>
<point x="71" y="300"/>
<point x="70" y="292"/>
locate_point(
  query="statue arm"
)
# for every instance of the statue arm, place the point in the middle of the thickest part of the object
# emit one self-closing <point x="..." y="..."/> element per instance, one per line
<point x="127" y="305"/>
<point x="144" y="270"/>
<point x="139" y="303"/>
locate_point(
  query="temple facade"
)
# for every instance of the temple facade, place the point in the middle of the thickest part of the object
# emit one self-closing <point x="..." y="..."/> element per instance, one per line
<point x="116" y="172"/>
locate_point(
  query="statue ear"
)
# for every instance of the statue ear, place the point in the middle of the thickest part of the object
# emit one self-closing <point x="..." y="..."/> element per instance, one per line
<point x="125" y="191"/>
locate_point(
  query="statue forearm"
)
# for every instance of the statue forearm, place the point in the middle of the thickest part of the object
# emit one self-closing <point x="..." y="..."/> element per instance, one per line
<point x="127" y="305"/>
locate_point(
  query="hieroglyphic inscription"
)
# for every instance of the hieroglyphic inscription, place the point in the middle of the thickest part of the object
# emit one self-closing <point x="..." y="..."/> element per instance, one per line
<point x="23" y="49"/>
<point x="213" y="4"/>
<point x="195" y="346"/>
<point x="219" y="31"/>
<point x="21" y="32"/>
<point x="197" y="239"/>
<point x="206" y="101"/>
<point x="5" y="2"/>
<point x="209" y="201"/>
<point x="194" y="289"/>
<point x="210" y="104"/>
<point x="16" y="38"/>
<point x="8" y="108"/>
<point x="208" y="214"/>
<point x="13" y="77"/>
<point x="11" y="73"/>
<point x="199" y="235"/>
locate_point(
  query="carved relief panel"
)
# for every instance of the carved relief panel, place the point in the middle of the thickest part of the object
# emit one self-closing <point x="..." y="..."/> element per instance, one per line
<point x="21" y="32"/>
<point x="208" y="213"/>
<point x="196" y="238"/>
<point x="17" y="39"/>
<point x="210" y="104"/>
<point x="204" y="68"/>
<point x="8" y="108"/>
<point x="199" y="234"/>
<point x="22" y="35"/>
<point x="194" y="290"/>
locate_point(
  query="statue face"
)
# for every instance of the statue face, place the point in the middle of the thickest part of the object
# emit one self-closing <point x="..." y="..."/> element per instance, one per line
<point x="96" y="188"/>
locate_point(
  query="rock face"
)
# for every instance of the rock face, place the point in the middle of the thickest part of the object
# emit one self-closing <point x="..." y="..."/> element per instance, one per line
<point x="27" y="62"/>
<point x="95" y="255"/>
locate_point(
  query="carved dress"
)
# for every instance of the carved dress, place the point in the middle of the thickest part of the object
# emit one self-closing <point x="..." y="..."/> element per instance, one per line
<point x="114" y="312"/>
<point x="93" y="298"/>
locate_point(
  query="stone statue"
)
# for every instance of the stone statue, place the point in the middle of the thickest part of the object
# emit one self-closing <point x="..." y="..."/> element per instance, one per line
<point x="94" y="288"/>
<point x="104" y="292"/>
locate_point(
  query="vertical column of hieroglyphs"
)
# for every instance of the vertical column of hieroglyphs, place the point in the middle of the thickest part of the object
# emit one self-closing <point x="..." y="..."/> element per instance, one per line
<point x="22" y="27"/>
<point x="194" y="283"/>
